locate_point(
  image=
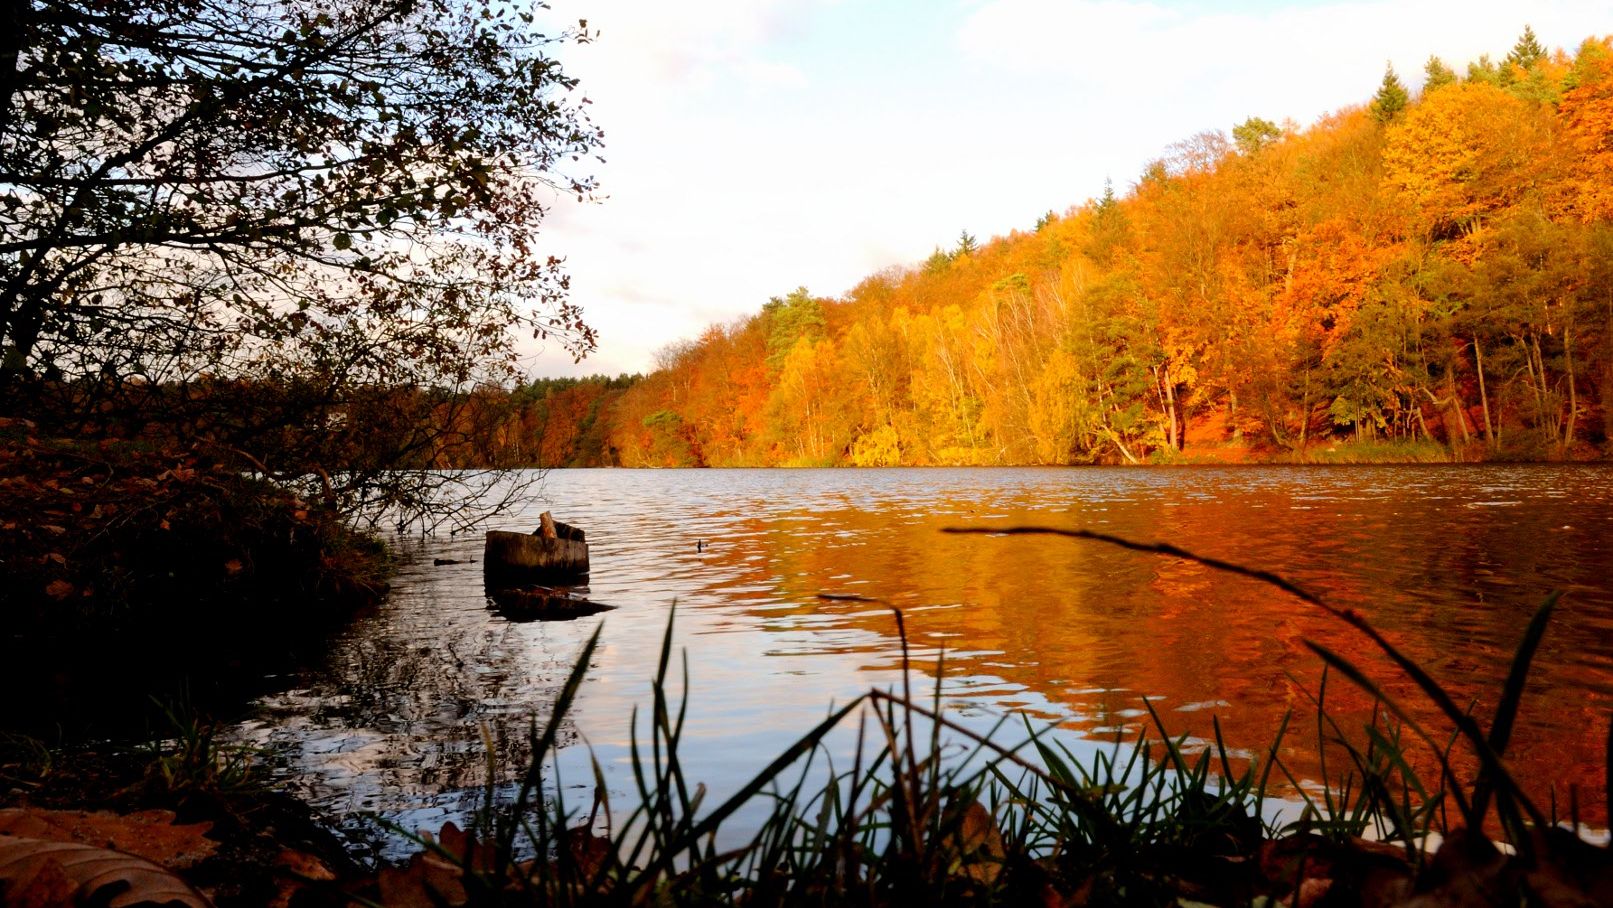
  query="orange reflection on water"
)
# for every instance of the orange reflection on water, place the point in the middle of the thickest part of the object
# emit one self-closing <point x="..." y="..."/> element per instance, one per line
<point x="1081" y="632"/>
<point x="1449" y="563"/>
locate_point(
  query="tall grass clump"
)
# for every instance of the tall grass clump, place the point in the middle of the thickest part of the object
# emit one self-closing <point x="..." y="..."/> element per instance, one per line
<point x="926" y="811"/>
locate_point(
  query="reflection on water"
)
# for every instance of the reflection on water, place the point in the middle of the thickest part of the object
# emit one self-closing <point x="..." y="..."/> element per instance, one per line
<point x="1449" y="562"/>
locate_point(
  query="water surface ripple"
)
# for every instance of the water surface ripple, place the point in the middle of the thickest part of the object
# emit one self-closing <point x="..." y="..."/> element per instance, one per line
<point x="1449" y="562"/>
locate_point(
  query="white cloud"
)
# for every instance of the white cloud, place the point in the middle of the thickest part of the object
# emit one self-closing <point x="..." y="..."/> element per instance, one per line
<point x="1145" y="47"/>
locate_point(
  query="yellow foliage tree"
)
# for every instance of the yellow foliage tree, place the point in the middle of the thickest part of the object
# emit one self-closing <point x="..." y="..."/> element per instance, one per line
<point x="1463" y="153"/>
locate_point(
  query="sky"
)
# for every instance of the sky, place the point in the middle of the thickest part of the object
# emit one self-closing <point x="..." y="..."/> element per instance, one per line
<point x="753" y="146"/>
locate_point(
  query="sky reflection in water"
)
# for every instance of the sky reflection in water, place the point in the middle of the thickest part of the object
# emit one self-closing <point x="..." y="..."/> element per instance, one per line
<point x="1449" y="562"/>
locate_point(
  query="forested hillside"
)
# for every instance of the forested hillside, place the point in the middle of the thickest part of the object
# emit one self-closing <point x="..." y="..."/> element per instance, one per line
<point x="1424" y="277"/>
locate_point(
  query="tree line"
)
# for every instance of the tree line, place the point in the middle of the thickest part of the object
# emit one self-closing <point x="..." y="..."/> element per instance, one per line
<point x="1430" y="274"/>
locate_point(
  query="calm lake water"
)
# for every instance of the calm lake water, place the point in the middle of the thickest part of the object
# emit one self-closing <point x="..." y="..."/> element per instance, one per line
<point x="1450" y="562"/>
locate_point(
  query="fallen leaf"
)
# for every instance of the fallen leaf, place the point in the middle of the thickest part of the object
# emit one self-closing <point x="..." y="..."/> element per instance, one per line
<point x="97" y="875"/>
<point x="149" y="834"/>
<point x="44" y="885"/>
<point x="59" y="589"/>
<point x="304" y="865"/>
<point x="591" y="853"/>
<point x="976" y="846"/>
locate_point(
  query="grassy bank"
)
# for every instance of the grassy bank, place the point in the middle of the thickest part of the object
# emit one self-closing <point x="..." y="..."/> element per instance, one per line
<point x="128" y="570"/>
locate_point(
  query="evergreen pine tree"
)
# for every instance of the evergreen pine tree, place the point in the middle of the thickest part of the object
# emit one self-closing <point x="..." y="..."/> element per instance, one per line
<point x="1108" y="202"/>
<point x="1391" y="98"/>
<point x="1483" y="70"/>
<point x="1438" y="75"/>
<point x="1527" y="53"/>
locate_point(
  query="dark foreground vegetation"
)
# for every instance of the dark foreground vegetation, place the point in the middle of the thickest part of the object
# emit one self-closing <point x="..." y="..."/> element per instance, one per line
<point x="130" y="571"/>
<point x="255" y="260"/>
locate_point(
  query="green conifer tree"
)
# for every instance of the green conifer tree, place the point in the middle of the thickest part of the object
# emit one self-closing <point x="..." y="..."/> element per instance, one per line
<point x="1527" y="53"/>
<point x="1108" y="202"/>
<point x="1438" y="75"/>
<point x="1391" y="98"/>
<point x="966" y="245"/>
<point x="1483" y="70"/>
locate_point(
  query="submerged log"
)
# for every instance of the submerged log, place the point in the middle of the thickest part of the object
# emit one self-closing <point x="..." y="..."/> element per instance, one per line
<point x="543" y="604"/>
<point x="556" y="552"/>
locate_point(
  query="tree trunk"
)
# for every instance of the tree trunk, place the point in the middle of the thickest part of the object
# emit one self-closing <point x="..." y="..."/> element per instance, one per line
<point x="513" y="559"/>
<point x="1484" y="397"/>
<point x="1457" y="408"/>
<point x="1170" y="407"/>
<point x="1573" y="392"/>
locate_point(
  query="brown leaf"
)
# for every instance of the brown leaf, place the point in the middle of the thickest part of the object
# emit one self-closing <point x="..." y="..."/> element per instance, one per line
<point x="59" y="589"/>
<point x="479" y="856"/>
<point x="427" y="880"/>
<point x="1312" y="891"/>
<point x="977" y="847"/>
<point x="43" y="886"/>
<point x="297" y="869"/>
<point x="149" y="834"/>
<point x="590" y="852"/>
<point x="304" y="865"/>
<point x="98" y="875"/>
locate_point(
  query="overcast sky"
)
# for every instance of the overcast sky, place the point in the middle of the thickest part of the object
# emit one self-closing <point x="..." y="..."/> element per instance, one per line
<point x="753" y="146"/>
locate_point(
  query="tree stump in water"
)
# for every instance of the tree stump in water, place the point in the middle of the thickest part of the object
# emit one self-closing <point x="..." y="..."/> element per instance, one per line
<point x="513" y="559"/>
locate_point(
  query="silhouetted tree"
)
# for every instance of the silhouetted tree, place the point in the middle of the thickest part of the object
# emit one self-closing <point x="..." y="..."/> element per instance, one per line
<point x="334" y="195"/>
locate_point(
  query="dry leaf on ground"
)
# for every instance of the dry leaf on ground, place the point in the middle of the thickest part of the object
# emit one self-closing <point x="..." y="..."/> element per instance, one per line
<point x="32" y="873"/>
<point x="149" y="834"/>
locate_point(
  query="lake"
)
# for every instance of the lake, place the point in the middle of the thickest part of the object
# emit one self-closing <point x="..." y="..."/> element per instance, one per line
<point x="1449" y="562"/>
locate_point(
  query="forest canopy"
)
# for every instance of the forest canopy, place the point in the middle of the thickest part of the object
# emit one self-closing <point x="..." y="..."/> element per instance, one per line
<point x="1429" y="274"/>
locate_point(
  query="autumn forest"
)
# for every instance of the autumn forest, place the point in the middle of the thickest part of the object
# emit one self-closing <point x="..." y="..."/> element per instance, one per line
<point x="1427" y="276"/>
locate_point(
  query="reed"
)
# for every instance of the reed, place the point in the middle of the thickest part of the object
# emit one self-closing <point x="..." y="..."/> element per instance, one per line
<point x="929" y="811"/>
